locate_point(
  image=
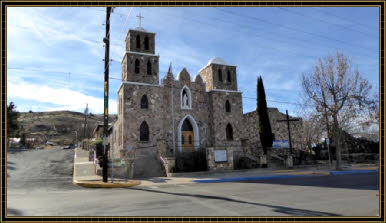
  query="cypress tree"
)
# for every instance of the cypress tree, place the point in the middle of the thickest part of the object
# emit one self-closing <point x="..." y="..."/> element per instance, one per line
<point x="265" y="132"/>
<point x="12" y="122"/>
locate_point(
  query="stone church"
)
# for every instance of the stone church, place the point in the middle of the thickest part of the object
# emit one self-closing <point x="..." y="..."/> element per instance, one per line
<point x="182" y="113"/>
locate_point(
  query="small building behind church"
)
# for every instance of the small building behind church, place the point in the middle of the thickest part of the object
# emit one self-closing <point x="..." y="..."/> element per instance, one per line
<point x="183" y="112"/>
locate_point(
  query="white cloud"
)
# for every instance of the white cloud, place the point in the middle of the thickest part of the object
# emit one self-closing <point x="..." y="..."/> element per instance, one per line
<point x="65" y="99"/>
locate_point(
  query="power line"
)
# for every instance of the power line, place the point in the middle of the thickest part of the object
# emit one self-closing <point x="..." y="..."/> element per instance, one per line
<point x="345" y="19"/>
<point x="290" y="28"/>
<point x="292" y="38"/>
<point x="343" y="27"/>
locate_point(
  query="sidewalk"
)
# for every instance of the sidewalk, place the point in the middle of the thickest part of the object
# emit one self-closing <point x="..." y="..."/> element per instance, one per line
<point x="84" y="174"/>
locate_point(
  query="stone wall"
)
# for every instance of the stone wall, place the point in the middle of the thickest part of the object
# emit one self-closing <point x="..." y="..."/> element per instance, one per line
<point x="279" y="129"/>
<point x="211" y="77"/>
<point x="199" y="110"/>
<point x="213" y="165"/>
<point x="129" y="63"/>
<point x="220" y="118"/>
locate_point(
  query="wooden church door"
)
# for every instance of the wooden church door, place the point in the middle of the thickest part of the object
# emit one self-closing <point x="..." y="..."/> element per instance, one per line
<point x="187" y="137"/>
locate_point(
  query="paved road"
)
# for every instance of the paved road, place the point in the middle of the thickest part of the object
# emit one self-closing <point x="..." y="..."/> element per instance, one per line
<point x="37" y="187"/>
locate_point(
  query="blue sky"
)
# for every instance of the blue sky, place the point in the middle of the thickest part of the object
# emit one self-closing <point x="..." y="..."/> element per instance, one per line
<point x="55" y="55"/>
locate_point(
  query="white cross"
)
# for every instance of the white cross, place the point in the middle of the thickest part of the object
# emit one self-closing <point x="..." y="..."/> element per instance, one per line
<point x="139" y="19"/>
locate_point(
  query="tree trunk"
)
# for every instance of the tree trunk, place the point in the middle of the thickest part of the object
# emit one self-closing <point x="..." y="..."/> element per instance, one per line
<point x="337" y="143"/>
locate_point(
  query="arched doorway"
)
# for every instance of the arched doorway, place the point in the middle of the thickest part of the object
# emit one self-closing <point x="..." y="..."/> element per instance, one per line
<point x="188" y="137"/>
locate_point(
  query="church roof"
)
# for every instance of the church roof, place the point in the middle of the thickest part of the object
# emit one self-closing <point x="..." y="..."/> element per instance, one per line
<point x="140" y="29"/>
<point x="217" y="60"/>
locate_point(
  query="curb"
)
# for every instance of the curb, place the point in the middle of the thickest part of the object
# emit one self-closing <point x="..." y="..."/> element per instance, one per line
<point x="249" y="178"/>
<point x="100" y="184"/>
<point x="286" y="176"/>
<point x="351" y="172"/>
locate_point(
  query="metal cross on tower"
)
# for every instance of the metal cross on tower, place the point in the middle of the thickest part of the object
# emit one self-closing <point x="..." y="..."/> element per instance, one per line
<point x="139" y="19"/>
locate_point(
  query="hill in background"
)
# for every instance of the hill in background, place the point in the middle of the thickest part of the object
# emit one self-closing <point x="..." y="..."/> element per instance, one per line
<point x="60" y="127"/>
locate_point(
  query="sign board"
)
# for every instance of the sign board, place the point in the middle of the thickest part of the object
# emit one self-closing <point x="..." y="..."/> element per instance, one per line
<point x="280" y="144"/>
<point x="105" y="141"/>
<point x="220" y="156"/>
<point x="129" y="148"/>
<point x="327" y="141"/>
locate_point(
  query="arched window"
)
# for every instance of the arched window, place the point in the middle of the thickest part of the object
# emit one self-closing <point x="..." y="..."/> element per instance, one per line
<point x="144" y="103"/>
<point x="149" y="67"/>
<point x="138" y="40"/>
<point x="219" y="75"/>
<point x="182" y="139"/>
<point x="137" y="66"/>
<point x="146" y="43"/>
<point x="227" y="106"/>
<point x="144" y="132"/>
<point x="186" y="98"/>
<point x="229" y="76"/>
<point x="190" y="139"/>
<point x="229" y="132"/>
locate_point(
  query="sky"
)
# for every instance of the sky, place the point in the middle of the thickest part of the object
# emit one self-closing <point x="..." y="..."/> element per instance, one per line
<point x="55" y="54"/>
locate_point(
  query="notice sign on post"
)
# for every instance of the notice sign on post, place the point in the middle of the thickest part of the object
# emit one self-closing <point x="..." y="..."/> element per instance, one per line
<point x="280" y="144"/>
<point x="220" y="156"/>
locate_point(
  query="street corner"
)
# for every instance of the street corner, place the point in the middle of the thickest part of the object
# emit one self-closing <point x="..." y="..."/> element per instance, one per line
<point x="101" y="184"/>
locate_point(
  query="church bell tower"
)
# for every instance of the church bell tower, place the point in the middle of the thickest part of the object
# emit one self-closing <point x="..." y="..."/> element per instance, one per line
<point x="140" y="64"/>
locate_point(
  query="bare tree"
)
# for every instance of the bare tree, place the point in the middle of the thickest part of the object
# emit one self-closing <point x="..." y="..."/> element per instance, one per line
<point x="333" y="86"/>
<point x="313" y="129"/>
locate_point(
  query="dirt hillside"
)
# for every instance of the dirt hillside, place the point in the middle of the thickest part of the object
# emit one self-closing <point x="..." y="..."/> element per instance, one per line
<point x="60" y="127"/>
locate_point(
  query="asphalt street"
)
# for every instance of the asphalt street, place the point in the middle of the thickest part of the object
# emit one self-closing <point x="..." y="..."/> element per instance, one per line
<point x="39" y="183"/>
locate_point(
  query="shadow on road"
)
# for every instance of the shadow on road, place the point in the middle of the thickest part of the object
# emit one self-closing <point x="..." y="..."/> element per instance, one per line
<point x="360" y="181"/>
<point x="14" y="212"/>
<point x="10" y="167"/>
<point x="280" y="209"/>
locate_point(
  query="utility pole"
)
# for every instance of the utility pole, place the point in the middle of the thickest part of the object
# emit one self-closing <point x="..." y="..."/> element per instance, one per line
<point x="106" y="40"/>
<point x="289" y="130"/>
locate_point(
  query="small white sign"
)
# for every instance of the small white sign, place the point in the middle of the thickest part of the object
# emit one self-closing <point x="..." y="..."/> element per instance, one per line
<point x="105" y="141"/>
<point x="220" y="156"/>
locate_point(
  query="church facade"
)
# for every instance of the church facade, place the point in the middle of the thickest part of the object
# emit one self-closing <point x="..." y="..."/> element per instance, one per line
<point x="183" y="113"/>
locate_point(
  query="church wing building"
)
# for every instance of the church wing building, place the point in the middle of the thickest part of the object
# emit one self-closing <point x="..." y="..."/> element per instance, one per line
<point x="181" y="113"/>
